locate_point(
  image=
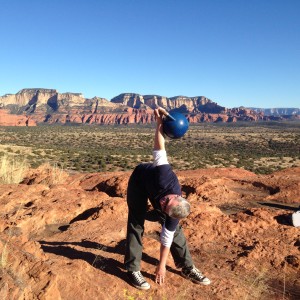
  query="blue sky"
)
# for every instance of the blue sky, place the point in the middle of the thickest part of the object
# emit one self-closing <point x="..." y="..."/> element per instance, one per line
<point x="237" y="53"/>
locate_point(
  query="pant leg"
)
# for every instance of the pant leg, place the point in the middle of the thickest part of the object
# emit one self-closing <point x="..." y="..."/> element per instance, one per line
<point x="179" y="250"/>
<point x="137" y="208"/>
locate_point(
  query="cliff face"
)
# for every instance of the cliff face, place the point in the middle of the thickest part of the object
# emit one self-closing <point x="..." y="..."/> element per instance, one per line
<point x="131" y="100"/>
<point x="7" y="119"/>
<point x="28" y="96"/>
<point x="31" y="106"/>
<point x="181" y="103"/>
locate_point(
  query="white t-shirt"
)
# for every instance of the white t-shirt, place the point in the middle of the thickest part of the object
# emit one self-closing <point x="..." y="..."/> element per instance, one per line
<point x="160" y="158"/>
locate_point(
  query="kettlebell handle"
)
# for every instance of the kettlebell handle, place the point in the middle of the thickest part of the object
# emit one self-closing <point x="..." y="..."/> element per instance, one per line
<point x="164" y="112"/>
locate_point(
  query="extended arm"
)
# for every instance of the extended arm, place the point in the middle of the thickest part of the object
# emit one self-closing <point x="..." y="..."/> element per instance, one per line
<point x="159" y="140"/>
<point x="161" y="268"/>
<point x="159" y="144"/>
<point x="166" y="239"/>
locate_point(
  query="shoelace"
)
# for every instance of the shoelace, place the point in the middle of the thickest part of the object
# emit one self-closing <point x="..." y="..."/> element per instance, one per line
<point x="197" y="273"/>
<point x="138" y="277"/>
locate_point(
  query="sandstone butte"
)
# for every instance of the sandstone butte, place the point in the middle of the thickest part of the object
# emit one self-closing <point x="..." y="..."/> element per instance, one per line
<point x="35" y="106"/>
<point x="62" y="236"/>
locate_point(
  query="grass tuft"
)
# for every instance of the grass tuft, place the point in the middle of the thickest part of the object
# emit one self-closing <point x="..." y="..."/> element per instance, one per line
<point x="55" y="174"/>
<point x="3" y="257"/>
<point x="12" y="169"/>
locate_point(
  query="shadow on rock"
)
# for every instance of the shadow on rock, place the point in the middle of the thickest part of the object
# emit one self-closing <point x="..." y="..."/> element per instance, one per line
<point x="285" y="219"/>
<point x="107" y="265"/>
<point x="279" y="206"/>
<point x="118" y="249"/>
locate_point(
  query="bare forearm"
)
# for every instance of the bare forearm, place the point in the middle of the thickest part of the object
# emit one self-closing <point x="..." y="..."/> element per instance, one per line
<point x="164" y="252"/>
<point x="159" y="140"/>
<point x="161" y="268"/>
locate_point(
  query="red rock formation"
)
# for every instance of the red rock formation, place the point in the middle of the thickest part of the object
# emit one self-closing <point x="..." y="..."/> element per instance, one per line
<point x="49" y="106"/>
<point x="7" y="119"/>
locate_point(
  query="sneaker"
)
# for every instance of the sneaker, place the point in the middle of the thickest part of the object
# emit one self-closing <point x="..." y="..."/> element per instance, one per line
<point x="138" y="280"/>
<point x="195" y="275"/>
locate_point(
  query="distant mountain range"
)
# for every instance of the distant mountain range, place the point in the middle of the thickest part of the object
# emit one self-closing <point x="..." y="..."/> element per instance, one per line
<point x="30" y="107"/>
<point x="277" y="111"/>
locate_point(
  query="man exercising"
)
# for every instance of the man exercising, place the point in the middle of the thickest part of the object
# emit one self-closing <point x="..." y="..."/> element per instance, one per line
<point x="157" y="182"/>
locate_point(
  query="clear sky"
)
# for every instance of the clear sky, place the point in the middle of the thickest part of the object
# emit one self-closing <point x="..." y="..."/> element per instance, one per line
<point x="235" y="52"/>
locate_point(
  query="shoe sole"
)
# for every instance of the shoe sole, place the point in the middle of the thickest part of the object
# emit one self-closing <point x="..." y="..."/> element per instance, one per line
<point x="141" y="288"/>
<point x="196" y="281"/>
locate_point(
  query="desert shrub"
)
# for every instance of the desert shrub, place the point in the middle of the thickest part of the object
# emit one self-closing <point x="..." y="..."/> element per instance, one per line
<point x="203" y="143"/>
<point x="52" y="173"/>
<point x="263" y="170"/>
<point x="12" y="169"/>
<point x="35" y="164"/>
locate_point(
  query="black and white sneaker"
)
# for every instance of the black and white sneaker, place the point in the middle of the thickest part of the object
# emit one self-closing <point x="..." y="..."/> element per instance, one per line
<point x="195" y="275"/>
<point x="137" y="280"/>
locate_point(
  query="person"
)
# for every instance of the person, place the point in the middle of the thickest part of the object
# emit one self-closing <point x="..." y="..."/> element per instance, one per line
<point x="157" y="182"/>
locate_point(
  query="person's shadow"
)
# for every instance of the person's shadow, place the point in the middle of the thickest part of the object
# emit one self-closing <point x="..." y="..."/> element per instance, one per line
<point x="105" y="264"/>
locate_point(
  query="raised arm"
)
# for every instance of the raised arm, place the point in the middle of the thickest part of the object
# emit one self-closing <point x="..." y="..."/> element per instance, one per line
<point x="159" y="144"/>
<point x="159" y="140"/>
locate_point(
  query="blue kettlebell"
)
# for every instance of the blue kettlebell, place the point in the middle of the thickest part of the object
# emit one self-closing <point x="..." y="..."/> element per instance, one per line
<point x="175" y="125"/>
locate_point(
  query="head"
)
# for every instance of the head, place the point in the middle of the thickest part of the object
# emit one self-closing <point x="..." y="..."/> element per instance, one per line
<point x="175" y="206"/>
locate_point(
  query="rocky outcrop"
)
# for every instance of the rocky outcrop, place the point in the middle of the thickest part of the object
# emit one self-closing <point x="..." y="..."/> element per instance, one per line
<point x="128" y="116"/>
<point x="64" y="237"/>
<point x="7" y="119"/>
<point x="32" y="100"/>
<point x="131" y="100"/>
<point x="155" y="100"/>
<point x="28" y="97"/>
<point x="50" y="106"/>
<point x="180" y="103"/>
<point x="99" y="105"/>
